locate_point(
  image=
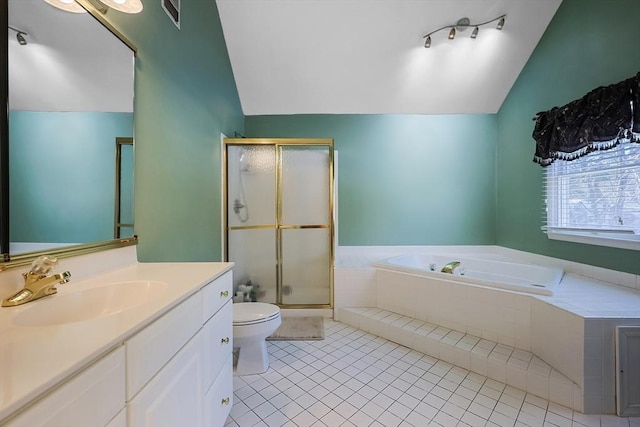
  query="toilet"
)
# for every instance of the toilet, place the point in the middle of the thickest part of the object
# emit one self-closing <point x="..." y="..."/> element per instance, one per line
<point x="253" y="322"/>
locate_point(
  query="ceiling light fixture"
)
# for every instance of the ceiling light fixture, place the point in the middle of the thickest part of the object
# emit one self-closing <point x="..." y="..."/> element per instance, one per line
<point x="462" y="25"/>
<point x="126" y="6"/>
<point x="67" y="5"/>
<point x="20" y="35"/>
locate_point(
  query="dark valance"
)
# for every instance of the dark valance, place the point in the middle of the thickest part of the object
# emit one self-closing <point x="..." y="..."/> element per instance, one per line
<point x="600" y="120"/>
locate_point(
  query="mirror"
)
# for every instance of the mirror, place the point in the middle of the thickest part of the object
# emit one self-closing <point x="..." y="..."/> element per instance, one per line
<point x="70" y="98"/>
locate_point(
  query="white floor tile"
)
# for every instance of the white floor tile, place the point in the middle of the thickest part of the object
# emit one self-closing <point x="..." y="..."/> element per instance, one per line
<point x="353" y="378"/>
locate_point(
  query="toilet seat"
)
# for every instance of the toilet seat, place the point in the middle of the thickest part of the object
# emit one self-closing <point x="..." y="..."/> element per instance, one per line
<point x="251" y="313"/>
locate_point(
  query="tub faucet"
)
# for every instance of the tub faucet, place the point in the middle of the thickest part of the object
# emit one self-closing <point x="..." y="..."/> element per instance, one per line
<point x="450" y="267"/>
<point x="38" y="282"/>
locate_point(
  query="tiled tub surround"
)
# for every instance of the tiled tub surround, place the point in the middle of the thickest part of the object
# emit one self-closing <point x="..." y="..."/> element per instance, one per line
<point x="68" y="348"/>
<point x="571" y="331"/>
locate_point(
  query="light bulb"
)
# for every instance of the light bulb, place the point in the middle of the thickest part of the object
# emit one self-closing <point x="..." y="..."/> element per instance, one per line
<point x="126" y="6"/>
<point x="452" y="33"/>
<point x="67" y="5"/>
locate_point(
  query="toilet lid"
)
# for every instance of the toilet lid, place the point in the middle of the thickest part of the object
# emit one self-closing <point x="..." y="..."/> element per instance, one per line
<point x="254" y="312"/>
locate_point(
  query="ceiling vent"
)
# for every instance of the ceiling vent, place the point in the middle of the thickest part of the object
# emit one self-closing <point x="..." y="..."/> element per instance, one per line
<point x="172" y="7"/>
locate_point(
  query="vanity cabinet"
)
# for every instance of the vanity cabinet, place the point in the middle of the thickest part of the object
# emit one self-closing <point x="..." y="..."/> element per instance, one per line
<point x="94" y="397"/>
<point x="195" y="386"/>
<point x="177" y="371"/>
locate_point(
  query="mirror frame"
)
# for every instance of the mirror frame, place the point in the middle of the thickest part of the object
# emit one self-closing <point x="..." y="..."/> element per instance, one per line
<point x="19" y="260"/>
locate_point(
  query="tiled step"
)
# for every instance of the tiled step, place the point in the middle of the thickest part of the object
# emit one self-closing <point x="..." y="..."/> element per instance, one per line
<point x="515" y="367"/>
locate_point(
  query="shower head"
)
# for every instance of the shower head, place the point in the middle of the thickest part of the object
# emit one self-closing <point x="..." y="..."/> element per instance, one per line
<point x="244" y="166"/>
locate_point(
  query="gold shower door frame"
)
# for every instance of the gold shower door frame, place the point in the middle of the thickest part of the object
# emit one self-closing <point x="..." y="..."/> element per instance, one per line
<point x="279" y="143"/>
<point x="117" y="224"/>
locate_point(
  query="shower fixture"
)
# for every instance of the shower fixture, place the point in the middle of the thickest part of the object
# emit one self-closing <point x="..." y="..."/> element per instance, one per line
<point x="20" y="35"/>
<point x="237" y="206"/>
<point x="462" y="25"/>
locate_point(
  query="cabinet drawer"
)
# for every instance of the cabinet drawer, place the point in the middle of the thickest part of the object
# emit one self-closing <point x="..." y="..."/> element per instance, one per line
<point x="219" y="399"/>
<point x="216" y="294"/>
<point x="152" y="347"/>
<point x="173" y="397"/>
<point x="218" y="342"/>
<point x="92" y="398"/>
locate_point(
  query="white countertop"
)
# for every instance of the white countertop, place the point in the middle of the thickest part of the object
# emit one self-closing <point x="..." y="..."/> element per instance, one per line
<point x="34" y="359"/>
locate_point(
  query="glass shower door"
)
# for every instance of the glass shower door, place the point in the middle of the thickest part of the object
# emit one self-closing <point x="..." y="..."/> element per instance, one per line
<point x="304" y="223"/>
<point x="251" y="219"/>
<point x="279" y="220"/>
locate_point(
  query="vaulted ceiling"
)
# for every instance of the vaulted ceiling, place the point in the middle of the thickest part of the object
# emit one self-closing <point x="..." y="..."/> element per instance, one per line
<point x="368" y="56"/>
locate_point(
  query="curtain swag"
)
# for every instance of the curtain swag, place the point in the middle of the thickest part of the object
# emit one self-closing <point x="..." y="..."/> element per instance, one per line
<point x="600" y="120"/>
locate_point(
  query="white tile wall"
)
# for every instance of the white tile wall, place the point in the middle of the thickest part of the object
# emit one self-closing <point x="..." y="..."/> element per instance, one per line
<point x="353" y="287"/>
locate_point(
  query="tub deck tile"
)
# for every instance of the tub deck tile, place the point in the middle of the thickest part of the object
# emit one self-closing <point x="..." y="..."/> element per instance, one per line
<point x="521" y="370"/>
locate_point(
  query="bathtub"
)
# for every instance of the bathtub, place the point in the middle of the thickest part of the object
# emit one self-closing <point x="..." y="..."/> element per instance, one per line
<point x="484" y="270"/>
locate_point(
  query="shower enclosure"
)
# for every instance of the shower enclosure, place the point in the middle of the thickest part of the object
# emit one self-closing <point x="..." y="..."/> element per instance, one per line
<point x="279" y="220"/>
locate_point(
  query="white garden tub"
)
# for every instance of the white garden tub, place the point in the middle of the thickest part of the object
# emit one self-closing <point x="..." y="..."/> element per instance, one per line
<point x="484" y="270"/>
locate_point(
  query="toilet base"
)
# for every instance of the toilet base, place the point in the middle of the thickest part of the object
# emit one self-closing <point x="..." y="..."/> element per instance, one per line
<point x="253" y="358"/>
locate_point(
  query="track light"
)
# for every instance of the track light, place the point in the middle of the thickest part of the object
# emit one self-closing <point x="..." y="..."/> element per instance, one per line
<point x="21" y="40"/>
<point x="20" y="35"/>
<point x="462" y="25"/>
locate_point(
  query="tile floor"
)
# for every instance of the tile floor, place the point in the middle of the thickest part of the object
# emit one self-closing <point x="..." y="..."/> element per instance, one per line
<point x="352" y="378"/>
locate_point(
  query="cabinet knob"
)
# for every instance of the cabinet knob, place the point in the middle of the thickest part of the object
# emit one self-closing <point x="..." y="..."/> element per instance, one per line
<point x="225" y="401"/>
<point x="225" y="340"/>
<point x="224" y="294"/>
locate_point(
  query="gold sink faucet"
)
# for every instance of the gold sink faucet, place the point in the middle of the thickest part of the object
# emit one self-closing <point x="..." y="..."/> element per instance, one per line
<point x="450" y="267"/>
<point x="38" y="282"/>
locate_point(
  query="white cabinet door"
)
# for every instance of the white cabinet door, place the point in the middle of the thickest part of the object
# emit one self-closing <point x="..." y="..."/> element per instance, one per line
<point x="152" y="347"/>
<point x="174" y="396"/>
<point x="92" y="398"/>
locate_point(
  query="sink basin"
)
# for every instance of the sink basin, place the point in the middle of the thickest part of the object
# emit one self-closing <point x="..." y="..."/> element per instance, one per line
<point x="89" y="303"/>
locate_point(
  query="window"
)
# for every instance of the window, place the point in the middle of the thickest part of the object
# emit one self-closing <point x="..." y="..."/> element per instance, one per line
<point x="596" y="198"/>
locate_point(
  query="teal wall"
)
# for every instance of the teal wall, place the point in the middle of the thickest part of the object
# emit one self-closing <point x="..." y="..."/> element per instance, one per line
<point x="62" y="167"/>
<point x="589" y="43"/>
<point x="185" y="97"/>
<point x="405" y="179"/>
